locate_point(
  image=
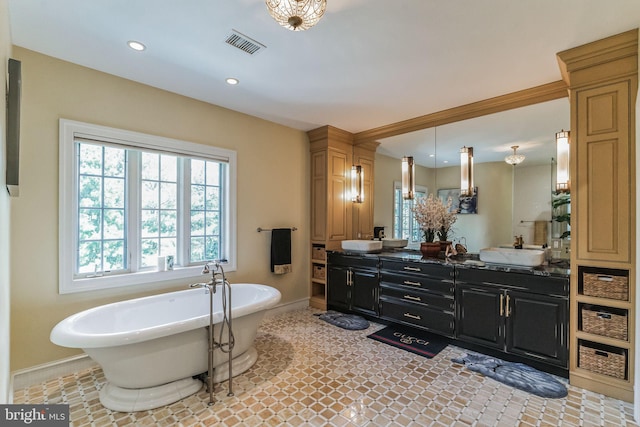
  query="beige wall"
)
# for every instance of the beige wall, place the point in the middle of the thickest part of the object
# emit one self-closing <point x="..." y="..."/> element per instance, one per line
<point x="273" y="186"/>
<point x="5" y="52"/>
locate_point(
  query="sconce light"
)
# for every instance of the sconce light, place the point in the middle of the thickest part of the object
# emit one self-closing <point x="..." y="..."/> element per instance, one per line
<point x="562" y="154"/>
<point x="408" y="178"/>
<point x="466" y="171"/>
<point x="357" y="184"/>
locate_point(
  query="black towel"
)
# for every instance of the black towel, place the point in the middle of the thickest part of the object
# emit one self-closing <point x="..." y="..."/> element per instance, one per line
<point x="281" y="250"/>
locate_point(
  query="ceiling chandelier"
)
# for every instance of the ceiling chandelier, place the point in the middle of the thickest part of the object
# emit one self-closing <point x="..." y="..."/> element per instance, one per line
<point x="514" y="159"/>
<point x="296" y="15"/>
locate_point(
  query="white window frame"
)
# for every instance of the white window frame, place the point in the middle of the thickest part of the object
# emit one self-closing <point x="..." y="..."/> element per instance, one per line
<point x="68" y="132"/>
<point x="397" y="185"/>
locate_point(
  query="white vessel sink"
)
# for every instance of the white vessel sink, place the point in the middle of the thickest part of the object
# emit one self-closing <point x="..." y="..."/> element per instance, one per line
<point x="394" y="243"/>
<point x="510" y="256"/>
<point x="362" y="245"/>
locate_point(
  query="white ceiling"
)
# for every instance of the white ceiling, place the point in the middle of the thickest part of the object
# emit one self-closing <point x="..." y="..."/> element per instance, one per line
<point x="366" y="64"/>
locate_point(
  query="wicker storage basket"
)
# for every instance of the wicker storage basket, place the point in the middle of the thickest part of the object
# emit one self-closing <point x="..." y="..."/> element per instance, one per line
<point x="318" y="252"/>
<point x="318" y="272"/>
<point x="602" y="322"/>
<point x="605" y="286"/>
<point x="602" y="362"/>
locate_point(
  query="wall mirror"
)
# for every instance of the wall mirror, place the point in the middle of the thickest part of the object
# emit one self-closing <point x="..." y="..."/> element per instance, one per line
<point x="512" y="200"/>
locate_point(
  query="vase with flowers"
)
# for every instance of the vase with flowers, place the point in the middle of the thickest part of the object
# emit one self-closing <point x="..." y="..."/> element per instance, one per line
<point x="434" y="218"/>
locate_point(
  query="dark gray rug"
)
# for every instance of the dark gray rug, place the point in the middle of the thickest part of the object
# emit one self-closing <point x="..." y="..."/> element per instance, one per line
<point x="517" y="375"/>
<point x="345" y="321"/>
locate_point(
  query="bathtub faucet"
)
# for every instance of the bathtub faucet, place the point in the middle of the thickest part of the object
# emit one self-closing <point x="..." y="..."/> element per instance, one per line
<point x="217" y="275"/>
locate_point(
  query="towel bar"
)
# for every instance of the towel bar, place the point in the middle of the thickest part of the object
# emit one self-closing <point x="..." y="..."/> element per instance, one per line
<point x="260" y="229"/>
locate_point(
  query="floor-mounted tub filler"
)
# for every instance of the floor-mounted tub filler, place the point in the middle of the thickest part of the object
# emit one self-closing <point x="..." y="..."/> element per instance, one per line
<point x="151" y="348"/>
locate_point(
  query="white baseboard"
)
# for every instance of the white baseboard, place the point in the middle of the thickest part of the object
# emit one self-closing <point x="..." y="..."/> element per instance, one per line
<point x="289" y="306"/>
<point x="47" y="371"/>
<point x="59" y="368"/>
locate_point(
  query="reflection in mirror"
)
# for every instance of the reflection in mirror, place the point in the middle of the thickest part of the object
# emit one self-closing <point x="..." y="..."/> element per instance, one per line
<point x="512" y="200"/>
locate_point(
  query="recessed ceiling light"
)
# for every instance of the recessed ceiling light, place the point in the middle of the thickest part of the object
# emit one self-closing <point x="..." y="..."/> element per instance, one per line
<point x="232" y="81"/>
<point x="432" y="155"/>
<point x="446" y="161"/>
<point x="136" y="45"/>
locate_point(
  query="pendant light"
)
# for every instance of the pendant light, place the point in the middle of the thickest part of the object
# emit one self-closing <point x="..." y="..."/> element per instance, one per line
<point x="514" y="159"/>
<point x="296" y="15"/>
<point x="408" y="178"/>
<point x="466" y="171"/>
<point x="562" y="154"/>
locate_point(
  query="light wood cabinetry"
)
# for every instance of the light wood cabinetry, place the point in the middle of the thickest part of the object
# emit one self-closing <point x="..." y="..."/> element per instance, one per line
<point x="603" y="84"/>
<point x="334" y="217"/>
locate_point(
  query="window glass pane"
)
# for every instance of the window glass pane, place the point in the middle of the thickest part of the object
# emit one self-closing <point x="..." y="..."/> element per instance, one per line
<point x="114" y="162"/>
<point x="114" y="193"/>
<point x="211" y="250"/>
<point x="213" y="173"/>
<point x="90" y="191"/>
<point x="114" y="224"/>
<point x="149" y="251"/>
<point x="150" y="166"/>
<point x="197" y="223"/>
<point x="168" y="195"/>
<point x="89" y="257"/>
<point x="150" y="195"/>
<point x="89" y="224"/>
<point x="168" y="223"/>
<point x="212" y="223"/>
<point x="168" y="168"/>
<point x="168" y="247"/>
<point x="114" y="255"/>
<point x="197" y="249"/>
<point x="212" y="199"/>
<point x="90" y="159"/>
<point x="197" y="171"/>
<point x="149" y="221"/>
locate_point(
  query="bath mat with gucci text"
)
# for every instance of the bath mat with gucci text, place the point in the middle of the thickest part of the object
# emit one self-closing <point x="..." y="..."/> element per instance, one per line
<point x="418" y="342"/>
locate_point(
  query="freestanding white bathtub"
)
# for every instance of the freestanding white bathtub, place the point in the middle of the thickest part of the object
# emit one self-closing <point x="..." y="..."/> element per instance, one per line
<point x="149" y="348"/>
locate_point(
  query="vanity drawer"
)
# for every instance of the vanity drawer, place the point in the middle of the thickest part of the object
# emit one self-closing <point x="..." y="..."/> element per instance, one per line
<point x="424" y="283"/>
<point x="409" y="295"/>
<point x="334" y="258"/>
<point x="422" y="268"/>
<point x="529" y="282"/>
<point x="416" y="315"/>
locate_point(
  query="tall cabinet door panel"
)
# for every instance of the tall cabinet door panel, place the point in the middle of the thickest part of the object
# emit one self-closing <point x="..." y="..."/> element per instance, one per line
<point x="536" y="326"/>
<point x="479" y="317"/>
<point x="339" y="215"/>
<point x="602" y="190"/>
<point x="338" y="287"/>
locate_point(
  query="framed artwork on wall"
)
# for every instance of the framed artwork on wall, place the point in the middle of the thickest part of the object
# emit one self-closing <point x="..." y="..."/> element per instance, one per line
<point x="460" y="204"/>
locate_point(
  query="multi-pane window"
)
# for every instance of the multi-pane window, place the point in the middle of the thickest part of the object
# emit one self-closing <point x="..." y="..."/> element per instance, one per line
<point x="405" y="225"/>
<point x="127" y="203"/>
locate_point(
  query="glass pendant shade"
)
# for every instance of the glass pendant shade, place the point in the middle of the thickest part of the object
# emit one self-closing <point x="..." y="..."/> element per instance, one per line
<point x="296" y="15"/>
<point x="562" y="165"/>
<point x="466" y="171"/>
<point x="357" y="184"/>
<point x="514" y="159"/>
<point x="408" y="178"/>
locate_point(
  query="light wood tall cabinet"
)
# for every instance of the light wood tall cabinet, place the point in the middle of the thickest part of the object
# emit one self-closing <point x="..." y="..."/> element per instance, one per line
<point x="603" y="82"/>
<point x="334" y="217"/>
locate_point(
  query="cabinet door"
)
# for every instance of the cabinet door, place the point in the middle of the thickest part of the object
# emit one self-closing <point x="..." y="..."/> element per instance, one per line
<point x="479" y="316"/>
<point x="337" y="287"/>
<point x="364" y="291"/>
<point x="536" y="327"/>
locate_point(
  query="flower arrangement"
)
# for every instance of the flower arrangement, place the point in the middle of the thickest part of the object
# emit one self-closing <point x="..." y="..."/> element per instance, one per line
<point x="434" y="217"/>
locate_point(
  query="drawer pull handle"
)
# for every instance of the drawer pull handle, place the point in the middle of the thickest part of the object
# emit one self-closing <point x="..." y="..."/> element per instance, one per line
<point x="605" y="278"/>
<point x="407" y="282"/>
<point x="411" y="297"/>
<point x="412" y="316"/>
<point x="501" y="305"/>
<point x="606" y="316"/>
<point x="601" y="353"/>
<point x="411" y="268"/>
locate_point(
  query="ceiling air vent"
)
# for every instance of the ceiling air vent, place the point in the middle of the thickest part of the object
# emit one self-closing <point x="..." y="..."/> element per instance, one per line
<point x="244" y="43"/>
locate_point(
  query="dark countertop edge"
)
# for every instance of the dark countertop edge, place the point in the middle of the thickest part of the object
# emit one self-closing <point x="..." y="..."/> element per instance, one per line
<point x="410" y="255"/>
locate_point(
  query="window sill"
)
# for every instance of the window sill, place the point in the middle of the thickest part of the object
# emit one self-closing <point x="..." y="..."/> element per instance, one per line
<point x="132" y="279"/>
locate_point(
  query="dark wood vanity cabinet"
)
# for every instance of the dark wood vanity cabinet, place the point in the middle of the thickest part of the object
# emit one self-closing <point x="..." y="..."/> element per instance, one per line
<point x="518" y="313"/>
<point x="418" y="294"/>
<point x="352" y="283"/>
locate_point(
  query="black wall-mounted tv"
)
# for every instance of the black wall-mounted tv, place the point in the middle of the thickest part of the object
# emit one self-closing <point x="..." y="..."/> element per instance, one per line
<point x="14" y="95"/>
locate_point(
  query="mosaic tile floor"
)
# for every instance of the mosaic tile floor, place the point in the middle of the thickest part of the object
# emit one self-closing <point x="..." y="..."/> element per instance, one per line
<point x="311" y="373"/>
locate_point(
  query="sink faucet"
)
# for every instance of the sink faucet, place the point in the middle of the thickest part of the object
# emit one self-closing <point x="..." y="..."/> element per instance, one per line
<point x="518" y="242"/>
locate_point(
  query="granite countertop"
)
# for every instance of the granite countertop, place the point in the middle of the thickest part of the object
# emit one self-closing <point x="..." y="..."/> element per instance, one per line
<point x="559" y="268"/>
